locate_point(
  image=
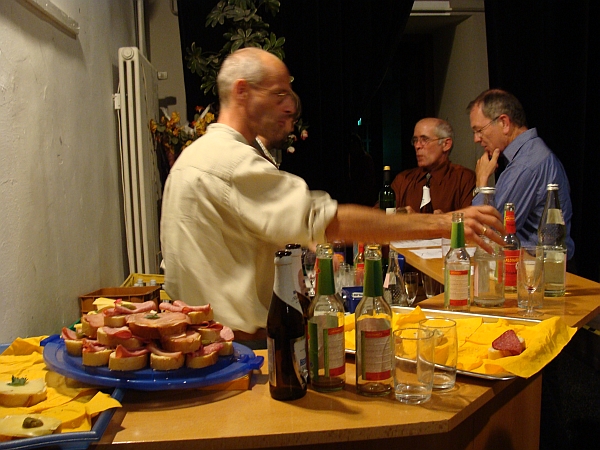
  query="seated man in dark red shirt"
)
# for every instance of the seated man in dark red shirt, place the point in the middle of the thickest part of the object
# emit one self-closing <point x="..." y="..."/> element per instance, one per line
<point x="450" y="185"/>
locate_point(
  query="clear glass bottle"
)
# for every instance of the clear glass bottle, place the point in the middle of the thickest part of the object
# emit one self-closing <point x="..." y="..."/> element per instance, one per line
<point x="512" y="244"/>
<point x="359" y="264"/>
<point x="373" y="325"/>
<point x="457" y="269"/>
<point x="326" y="339"/>
<point x="286" y="339"/>
<point x="552" y="234"/>
<point x="488" y="282"/>
<point x="394" y="291"/>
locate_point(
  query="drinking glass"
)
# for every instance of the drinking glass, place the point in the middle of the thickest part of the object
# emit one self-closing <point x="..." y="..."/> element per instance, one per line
<point x="411" y="281"/>
<point x="530" y="273"/>
<point x="309" y="267"/>
<point x="430" y="286"/>
<point x="414" y="365"/>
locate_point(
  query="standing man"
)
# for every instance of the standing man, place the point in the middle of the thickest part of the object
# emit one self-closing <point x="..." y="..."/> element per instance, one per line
<point x="500" y="127"/>
<point x="450" y="185"/>
<point x="226" y="209"/>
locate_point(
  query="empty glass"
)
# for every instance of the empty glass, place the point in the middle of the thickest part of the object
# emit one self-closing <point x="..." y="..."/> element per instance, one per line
<point x="411" y="281"/>
<point x="530" y="273"/>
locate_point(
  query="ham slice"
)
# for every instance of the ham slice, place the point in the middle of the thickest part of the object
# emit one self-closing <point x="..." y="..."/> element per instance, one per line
<point x="122" y="352"/>
<point x="158" y="352"/>
<point x="92" y="346"/>
<point x="226" y="333"/>
<point x="121" y="332"/>
<point x="95" y="320"/>
<point x="69" y="334"/>
<point x="182" y="307"/>
<point x="508" y="342"/>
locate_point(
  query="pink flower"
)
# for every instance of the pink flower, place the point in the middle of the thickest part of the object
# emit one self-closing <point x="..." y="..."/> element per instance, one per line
<point x="304" y="135"/>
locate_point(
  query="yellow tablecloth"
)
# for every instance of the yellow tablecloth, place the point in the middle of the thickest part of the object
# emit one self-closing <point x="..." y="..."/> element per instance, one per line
<point x="544" y="342"/>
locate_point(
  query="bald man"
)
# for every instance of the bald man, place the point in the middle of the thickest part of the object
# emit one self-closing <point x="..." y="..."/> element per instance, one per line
<point x="451" y="185"/>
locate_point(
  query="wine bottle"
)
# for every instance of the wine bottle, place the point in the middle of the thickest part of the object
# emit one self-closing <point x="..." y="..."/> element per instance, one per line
<point x="457" y="269"/>
<point x="387" y="196"/>
<point x="426" y="205"/>
<point x="373" y="328"/>
<point x="286" y="339"/>
<point x="512" y="244"/>
<point x="326" y="339"/>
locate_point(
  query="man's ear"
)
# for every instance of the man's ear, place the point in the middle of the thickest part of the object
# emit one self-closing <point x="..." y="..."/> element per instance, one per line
<point x="447" y="146"/>
<point x="240" y="90"/>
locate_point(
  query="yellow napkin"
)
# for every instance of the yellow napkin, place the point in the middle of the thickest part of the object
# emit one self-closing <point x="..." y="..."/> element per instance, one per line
<point x="544" y="342"/>
<point x="74" y="403"/>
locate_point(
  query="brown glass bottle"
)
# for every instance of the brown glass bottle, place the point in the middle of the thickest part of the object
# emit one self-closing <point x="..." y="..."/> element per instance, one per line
<point x="286" y="338"/>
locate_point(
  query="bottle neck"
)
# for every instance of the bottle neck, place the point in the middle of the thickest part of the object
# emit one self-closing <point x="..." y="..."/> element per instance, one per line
<point x="458" y="235"/>
<point x="509" y="222"/>
<point x="373" y="281"/>
<point x="325" y="281"/>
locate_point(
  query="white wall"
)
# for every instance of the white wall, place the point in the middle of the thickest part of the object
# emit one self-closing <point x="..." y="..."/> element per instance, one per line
<point x="61" y="222"/>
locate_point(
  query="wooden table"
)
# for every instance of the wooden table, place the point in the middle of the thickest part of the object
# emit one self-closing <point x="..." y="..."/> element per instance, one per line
<point x="476" y="414"/>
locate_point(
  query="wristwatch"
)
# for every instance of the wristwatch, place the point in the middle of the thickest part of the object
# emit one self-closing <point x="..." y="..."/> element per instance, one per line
<point x="476" y="191"/>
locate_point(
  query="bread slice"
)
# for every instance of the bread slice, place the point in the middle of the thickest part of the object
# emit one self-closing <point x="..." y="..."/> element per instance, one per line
<point x="113" y="341"/>
<point x="28" y="394"/>
<point x="12" y="426"/>
<point x="227" y="349"/>
<point x="157" y="326"/>
<point x="197" y="317"/>
<point x="115" y="321"/>
<point x="209" y="334"/>
<point x="188" y="342"/>
<point x="198" y="361"/>
<point x="74" y="346"/>
<point x="96" y="359"/>
<point x="127" y="363"/>
<point x="158" y="362"/>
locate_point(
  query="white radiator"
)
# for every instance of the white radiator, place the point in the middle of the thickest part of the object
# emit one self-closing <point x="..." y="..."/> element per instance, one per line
<point x="137" y="101"/>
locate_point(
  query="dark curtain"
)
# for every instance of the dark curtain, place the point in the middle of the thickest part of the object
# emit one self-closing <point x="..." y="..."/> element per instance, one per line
<point x="546" y="53"/>
<point x="338" y="52"/>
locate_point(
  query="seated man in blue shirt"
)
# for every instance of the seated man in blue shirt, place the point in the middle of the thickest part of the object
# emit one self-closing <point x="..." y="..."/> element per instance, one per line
<point x="500" y="127"/>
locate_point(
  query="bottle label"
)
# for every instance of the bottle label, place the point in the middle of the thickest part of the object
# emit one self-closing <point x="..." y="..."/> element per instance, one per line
<point x="511" y="258"/>
<point x="376" y="354"/>
<point x="458" y="287"/>
<point x="298" y="347"/>
<point x="328" y="354"/>
<point x="286" y="293"/>
<point x="555" y="216"/>
<point x="390" y="211"/>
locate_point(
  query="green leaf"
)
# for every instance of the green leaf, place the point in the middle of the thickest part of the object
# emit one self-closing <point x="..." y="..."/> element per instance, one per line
<point x="16" y="381"/>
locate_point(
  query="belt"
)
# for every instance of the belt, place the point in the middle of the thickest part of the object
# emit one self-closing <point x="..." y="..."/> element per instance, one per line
<point x="259" y="335"/>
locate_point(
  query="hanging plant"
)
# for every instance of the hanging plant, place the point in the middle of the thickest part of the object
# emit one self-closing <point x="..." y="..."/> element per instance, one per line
<point x="244" y="28"/>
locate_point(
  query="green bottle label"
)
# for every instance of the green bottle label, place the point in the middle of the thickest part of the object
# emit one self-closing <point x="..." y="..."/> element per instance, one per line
<point x="458" y="235"/>
<point x="325" y="281"/>
<point x="373" y="281"/>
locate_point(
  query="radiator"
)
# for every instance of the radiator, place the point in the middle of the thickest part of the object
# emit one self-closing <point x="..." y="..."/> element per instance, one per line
<point x="137" y="103"/>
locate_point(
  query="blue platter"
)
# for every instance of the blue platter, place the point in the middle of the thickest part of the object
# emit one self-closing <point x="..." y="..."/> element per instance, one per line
<point x="227" y="368"/>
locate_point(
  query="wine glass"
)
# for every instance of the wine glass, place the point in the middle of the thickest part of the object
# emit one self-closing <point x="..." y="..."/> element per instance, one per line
<point x="411" y="281"/>
<point x="310" y="258"/>
<point x="530" y="273"/>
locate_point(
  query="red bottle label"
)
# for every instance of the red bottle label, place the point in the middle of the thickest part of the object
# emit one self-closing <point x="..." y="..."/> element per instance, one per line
<point x="511" y="258"/>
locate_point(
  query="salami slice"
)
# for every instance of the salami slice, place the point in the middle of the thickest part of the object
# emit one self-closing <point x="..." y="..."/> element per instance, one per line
<point x="508" y="342"/>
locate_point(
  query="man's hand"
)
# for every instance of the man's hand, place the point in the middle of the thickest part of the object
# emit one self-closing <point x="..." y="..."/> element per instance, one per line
<point x="485" y="167"/>
<point x="483" y="220"/>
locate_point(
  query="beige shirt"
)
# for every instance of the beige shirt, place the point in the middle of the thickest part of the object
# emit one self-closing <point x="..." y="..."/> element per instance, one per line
<point x="226" y="210"/>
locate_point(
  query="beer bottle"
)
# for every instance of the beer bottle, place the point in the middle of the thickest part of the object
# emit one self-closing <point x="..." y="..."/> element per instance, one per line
<point x="373" y="316"/>
<point x="286" y="339"/>
<point x="326" y="343"/>
<point x="387" y="196"/>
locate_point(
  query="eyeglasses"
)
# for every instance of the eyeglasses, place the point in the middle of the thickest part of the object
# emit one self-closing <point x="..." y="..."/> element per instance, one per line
<point x="280" y="94"/>
<point x="424" y="140"/>
<point x="479" y="132"/>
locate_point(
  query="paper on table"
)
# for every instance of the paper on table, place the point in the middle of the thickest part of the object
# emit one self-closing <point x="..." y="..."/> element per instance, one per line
<point x="417" y="243"/>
